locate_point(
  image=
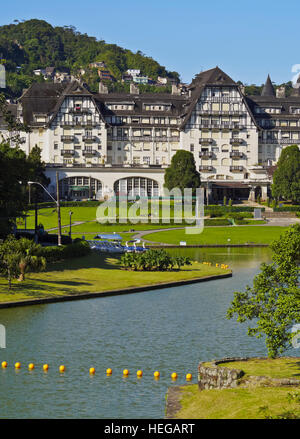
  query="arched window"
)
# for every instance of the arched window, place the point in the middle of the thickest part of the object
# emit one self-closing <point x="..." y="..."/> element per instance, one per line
<point x="133" y="186"/>
<point x="80" y="187"/>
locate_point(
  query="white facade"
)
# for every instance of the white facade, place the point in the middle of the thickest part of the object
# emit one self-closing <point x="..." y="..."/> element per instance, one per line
<point x="114" y="142"/>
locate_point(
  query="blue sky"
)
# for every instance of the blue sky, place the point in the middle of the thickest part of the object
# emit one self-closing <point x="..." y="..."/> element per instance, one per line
<point x="247" y="39"/>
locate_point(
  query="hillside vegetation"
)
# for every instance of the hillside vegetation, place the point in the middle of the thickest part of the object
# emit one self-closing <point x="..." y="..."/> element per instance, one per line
<point x="35" y="44"/>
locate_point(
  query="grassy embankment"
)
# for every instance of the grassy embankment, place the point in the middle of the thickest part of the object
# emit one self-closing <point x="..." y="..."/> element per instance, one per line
<point x="94" y="273"/>
<point x="244" y="403"/>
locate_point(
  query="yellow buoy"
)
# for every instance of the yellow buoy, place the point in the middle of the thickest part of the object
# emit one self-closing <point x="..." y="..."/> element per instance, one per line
<point x="174" y="376"/>
<point x="139" y="373"/>
<point x="189" y="376"/>
<point x="108" y="371"/>
<point x="62" y="368"/>
<point x="30" y="366"/>
<point x="125" y="372"/>
<point x="156" y="374"/>
<point x="17" y="365"/>
<point x="45" y="367"/>
<point x="4" y="364"/>
<point x="92" y="370"/>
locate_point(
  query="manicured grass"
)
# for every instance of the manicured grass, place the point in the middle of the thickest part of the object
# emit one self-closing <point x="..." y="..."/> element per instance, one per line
<point x="48" y="216"/>
<point x="220" y="235"/>
<point x="93" y="273"/>
<point x="243" y="403"/>
<point x="240" y="403"/>
<point x="273" y="368"/>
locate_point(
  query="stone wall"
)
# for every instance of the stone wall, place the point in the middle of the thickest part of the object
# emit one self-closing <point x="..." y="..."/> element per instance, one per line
<point x="215" y="377"/>
<point x="218" y="377"/>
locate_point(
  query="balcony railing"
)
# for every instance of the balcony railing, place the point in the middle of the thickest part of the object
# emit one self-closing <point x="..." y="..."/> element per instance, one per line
<point x="85" y="123"/>
<point x="89" y="138"/>
<point x="280" y="141"/>
<point x="67" y="123"/>
<point x="236" y="168"/>
<point x="236" y="141"/>
<point x="221" y="112"/>
<point x="205" y="168"/>
<point x="203" y="140"/>
<point x="79" y="110"/>
<point x="87" y="152"/>
<point x="67" y="138"/>
<point x="223" y="125"/>
<point x="205" y="154"/>
<point x="236" y="154"/>
<point x="67" y="152"/>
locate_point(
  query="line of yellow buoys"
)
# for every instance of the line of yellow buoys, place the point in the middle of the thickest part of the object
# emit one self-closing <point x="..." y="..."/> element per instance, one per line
<point x="223" y="266"/>
<point x="92" y="371"/>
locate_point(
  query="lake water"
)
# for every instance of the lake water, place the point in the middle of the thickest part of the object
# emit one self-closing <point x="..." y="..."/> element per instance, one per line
<point x="166" y="330"/>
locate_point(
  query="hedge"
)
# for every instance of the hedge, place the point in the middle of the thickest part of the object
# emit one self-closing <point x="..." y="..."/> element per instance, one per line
<point x="58" y="253"/>
<point x="217" y="222"/>
<point x="287" y="209"/>
<point x="44" y="238"/>
<point x="46" y="204"/>
<point x="228" y="209"/>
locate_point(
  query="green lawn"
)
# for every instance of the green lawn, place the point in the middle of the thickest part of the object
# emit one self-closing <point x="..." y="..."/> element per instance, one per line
<point x="220" y="235"/>
<point x="240" y="403"/>
<point x="48" y="216"/>
<point x="243" y="403"/>
<point x="273" y="368"/>
<point x="93" y="273"/>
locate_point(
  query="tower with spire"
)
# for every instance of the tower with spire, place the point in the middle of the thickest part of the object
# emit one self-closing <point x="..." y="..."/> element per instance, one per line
<point x="268" y="88"/>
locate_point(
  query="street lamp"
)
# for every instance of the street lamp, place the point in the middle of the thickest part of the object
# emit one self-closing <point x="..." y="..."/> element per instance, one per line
<point x="70" y="213"/>
<point x="57" y="205"/>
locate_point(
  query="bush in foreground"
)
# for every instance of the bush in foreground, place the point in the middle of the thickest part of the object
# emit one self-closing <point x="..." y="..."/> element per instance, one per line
<point x="153" y="260"/>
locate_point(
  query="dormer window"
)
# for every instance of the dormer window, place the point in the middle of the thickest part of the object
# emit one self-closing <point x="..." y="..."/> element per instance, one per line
<point x="40" y="118"/>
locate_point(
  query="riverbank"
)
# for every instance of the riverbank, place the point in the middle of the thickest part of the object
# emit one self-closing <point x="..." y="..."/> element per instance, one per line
<point x="262" y="390"/>
<point x="96" y="275"/>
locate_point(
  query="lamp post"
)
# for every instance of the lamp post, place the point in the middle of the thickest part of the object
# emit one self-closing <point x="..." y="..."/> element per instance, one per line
<point x="57" y="206"/>
<point x="70" y="213"/>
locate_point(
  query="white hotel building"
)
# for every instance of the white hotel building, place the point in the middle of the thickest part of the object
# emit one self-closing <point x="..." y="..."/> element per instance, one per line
<point x="105" y="142"/>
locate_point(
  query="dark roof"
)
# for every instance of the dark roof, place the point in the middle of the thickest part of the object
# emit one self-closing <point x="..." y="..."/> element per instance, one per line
<point x="272" y="101"/>
<point x="213" y="77"/>
<point x="40" y="98"/>
<point x="176" y="101"/>
<point x="268" y="89"/>
<point x="46" y="98"/>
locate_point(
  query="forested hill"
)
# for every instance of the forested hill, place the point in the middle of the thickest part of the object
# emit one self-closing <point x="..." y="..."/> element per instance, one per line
<point x="35" y="44"/>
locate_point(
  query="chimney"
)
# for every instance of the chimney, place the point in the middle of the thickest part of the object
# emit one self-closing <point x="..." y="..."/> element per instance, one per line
<point x="134" y="89"/>
<point x="242" y="89"/>
<point x="102" y="88"/>
<point x="176" y="89"/>
<point x="280" y="92"/>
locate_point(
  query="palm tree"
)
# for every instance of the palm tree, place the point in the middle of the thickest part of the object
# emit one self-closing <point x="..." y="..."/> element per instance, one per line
<point x="28" y="256"/>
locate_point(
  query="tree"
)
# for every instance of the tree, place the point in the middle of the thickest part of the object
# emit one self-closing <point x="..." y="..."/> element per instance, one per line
<point x="286" y="178"/>
<point x="14" y="168"/>
<point x="273" y="301"/>
<point x="19" y="256"/>
<point x="27" y="253"/>
<point x="182" y="172"/>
